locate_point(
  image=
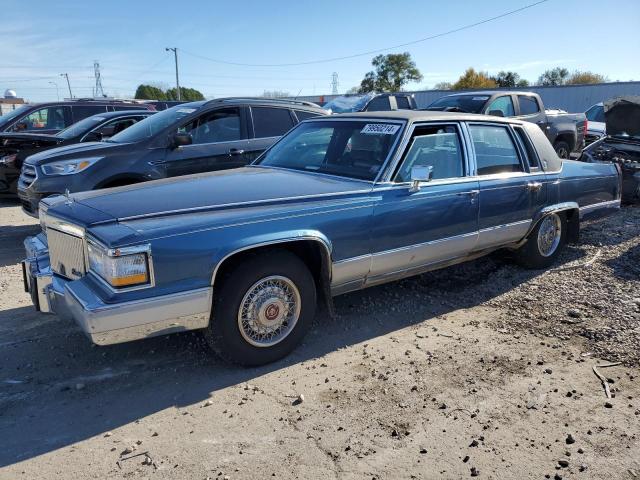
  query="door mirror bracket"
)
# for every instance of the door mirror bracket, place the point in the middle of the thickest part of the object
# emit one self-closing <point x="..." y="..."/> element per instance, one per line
<point x="420" y="174"/>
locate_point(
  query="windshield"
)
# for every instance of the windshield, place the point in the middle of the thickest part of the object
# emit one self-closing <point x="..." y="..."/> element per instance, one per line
<point x="18" y="112"/>
<point x="352" y="149"/>
<point x="595" y="114"/>
<point x="83" y="126"/>
<point x="150" y="126"/>
<point x="348" y="103"/>
<point x="460" y="103"/>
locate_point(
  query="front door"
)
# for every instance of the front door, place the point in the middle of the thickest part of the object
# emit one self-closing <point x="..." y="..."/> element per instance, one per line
<point x="413" y="229"/>
<point x="507" y="190"/>
<point x="219" y="142"/>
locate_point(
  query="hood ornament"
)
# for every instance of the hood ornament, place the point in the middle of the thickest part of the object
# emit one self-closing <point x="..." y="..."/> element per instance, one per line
<point x="69" y="200"/>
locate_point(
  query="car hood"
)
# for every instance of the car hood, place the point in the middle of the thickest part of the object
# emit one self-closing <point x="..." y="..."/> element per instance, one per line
<point x="78" y="150"/>
<point x="623" y="116"/>
<point x="215" y="191"/>
<point x="29" y="137"/>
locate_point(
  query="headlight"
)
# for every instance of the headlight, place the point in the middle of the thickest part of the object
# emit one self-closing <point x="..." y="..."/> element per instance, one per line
<point x="119" y="270"/>
<point x="69" y="167"/>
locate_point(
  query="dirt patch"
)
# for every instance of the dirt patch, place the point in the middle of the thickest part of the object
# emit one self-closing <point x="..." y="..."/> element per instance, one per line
<point x="481" y="369"/>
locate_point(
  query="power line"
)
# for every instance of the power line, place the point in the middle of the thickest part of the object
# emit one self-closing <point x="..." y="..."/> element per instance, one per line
<point x="370" y="52"/>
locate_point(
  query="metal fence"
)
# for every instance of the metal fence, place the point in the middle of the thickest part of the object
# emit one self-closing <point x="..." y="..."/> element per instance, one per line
<point x="572" y="98"/>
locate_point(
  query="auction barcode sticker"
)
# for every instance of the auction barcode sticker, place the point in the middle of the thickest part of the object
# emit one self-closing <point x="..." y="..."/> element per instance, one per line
<point x="380" y="128"/>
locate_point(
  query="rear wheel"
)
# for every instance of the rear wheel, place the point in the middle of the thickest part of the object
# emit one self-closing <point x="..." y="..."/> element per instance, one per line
<point x="544" y="243"/>
<point x="562" y="149"/>
<point x="263" y="309"/>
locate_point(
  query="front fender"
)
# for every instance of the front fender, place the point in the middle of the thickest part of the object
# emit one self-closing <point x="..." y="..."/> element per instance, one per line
<point x="243" y="244"/>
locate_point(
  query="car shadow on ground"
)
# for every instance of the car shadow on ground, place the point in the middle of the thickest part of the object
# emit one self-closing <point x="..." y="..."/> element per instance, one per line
<point x="56" y="389"/>
<point x="627" y="265"/>
<point x="11" y="239"/>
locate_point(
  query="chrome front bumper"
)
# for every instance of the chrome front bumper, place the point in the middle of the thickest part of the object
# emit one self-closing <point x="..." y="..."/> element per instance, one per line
<point x="109" y="323"/>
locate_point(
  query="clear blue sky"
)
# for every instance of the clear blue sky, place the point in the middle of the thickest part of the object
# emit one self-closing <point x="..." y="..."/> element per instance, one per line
<point x="40" y="39"/>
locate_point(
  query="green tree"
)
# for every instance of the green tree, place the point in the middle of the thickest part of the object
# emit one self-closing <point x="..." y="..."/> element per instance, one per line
<point x="471" y="79"/>
<point x="149" y="92"/>
<point x="586" y="77"/>
<point x="391" y="73"/>
<point x="186" y="94"/>
<point x="555" y="76"/>
<point x="509" y="80"/>
<point x="443" y="86"/>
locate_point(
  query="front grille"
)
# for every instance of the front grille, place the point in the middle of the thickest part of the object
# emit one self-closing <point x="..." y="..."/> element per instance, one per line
<point x="27" y="176"/>
<point x="66" y="254"/>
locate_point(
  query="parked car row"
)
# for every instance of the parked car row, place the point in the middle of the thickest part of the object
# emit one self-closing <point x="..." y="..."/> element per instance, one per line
<point x="565" y="131"/>
<point x="190" y="138"/>
<point x="338" y="204"/>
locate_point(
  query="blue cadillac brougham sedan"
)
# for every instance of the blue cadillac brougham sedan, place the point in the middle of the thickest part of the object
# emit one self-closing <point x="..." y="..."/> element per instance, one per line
<point x="338" y="204"/>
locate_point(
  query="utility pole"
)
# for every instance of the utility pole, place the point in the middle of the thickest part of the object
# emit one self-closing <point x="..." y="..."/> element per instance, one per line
<point x="97" y="90"/>
<point x="175" y="55"/>
<point x="334" y="83"/>
<point x="66" y="75"/>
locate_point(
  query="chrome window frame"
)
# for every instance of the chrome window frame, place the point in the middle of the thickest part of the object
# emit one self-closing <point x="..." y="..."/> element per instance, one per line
<point x="398" y="157"/>
<point x="138" y="118"/>
<point x="121" y="252"/>
<point x="509" y="127"/>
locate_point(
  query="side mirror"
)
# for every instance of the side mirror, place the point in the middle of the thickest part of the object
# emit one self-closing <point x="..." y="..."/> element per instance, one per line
<point x="93" y="137"/>
<point x="181" y="139"/>
<point x="20" y="126"/>
<point x="496" y="113"/>
<point x="420" y="174"/>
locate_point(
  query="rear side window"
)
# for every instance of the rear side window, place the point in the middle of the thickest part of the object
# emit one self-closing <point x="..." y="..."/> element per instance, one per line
<point x="303" y="115"/>
<point x="379" y="104"/>
<point x="503" y="104"/>
<point x="532" y="156"/>
<point x="437" y="147"/>
<point x="528" y="105"/>
<point x="495" y="150"/>
<point x="403" y="103"/>
<point x="271" y="122"/>
<point x="83" y="111"/>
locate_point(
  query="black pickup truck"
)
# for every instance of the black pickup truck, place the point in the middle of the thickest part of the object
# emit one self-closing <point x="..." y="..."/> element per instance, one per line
<point x="565" y="131"/>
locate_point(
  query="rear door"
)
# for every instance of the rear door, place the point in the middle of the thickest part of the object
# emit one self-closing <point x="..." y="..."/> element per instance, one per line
<point x="268" y="124"/>
<point x="219" y="142"/>
<point x="508" y="193"/>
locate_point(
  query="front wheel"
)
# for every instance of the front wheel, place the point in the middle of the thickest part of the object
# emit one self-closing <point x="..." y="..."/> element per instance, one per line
<point x="544" y="243"/>
<point x="263" y="308"/>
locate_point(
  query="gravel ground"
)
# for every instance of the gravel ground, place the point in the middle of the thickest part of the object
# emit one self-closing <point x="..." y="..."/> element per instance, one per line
<point x="480" y="370"/>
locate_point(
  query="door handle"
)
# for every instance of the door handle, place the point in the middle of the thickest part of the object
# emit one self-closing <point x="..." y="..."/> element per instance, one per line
<point x="470" y="193"/>
<point x="236" y="151"/>
<point x="534" y="186"/>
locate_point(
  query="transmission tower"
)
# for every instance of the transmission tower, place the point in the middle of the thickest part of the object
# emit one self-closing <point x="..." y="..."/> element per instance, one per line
<point x="334" y="83"/>
<point x="98" y="91"/>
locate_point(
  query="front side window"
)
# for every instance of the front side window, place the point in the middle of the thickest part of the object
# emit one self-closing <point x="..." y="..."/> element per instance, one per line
<point x="433" y="146"/>
<point x="495" y="150"/>
<point x="218" y="126"/>
<point x="528" y="105"/>
<point x="595" y="114"/>
<point x="48" y="118"/>
<point x="271" y="122"/>
<point x="503" y="104"/>
<point x="352" y="149"/>
<point x="116" y="126"/>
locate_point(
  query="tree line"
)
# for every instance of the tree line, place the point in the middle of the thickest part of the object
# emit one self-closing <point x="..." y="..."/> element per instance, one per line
<point x="152" y="92"/>
<point x="393" y="71"/>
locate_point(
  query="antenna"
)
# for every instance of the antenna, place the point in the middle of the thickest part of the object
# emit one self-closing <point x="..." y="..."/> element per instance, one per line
<point x="334" y="83"/>
<point x="97" y="90"/>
